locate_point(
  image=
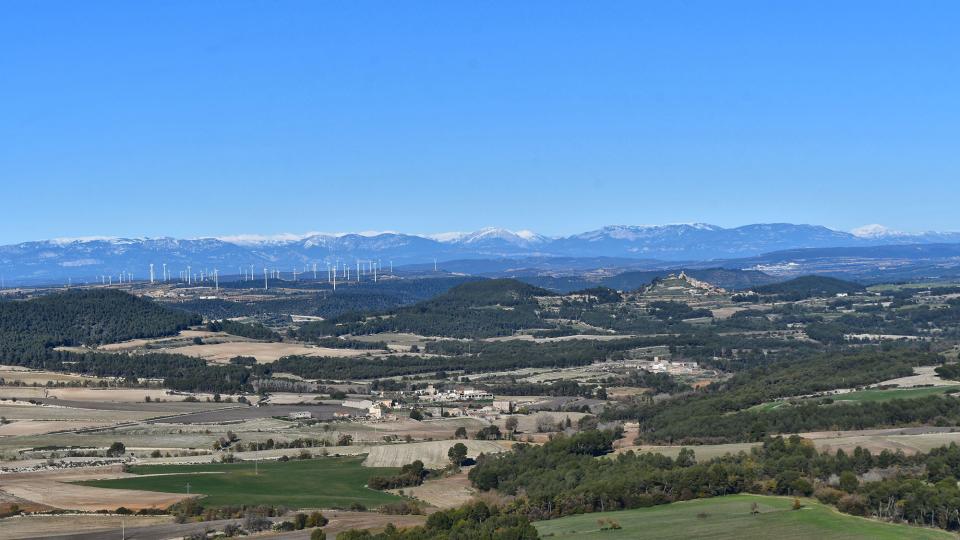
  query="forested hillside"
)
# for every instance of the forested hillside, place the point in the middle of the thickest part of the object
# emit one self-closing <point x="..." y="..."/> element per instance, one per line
<point x="478" y="309"/>
<point x="723" y="411"/>
<point x="84" y="317"/>
<point x="809" y="286"/>
<point x="30" y="329"/>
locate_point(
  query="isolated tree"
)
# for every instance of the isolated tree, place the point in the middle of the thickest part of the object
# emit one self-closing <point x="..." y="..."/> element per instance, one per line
<point x="415" y="414"/>
<point x="116" y="449"/>
<point x="457" y="454"/>
<point x="512" y="424"/>
<point x="460" y="433"/>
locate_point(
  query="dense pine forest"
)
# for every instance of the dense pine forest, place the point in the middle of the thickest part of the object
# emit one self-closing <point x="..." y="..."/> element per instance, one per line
<point x="31" y="329"/>
<point x="28" y="329"/>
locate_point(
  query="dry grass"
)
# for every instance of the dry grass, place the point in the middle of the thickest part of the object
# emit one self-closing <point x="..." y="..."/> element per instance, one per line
<point x="40" y="526"/>
<point x="97" y="395"/>
<point x="39" y="427"/>
<point x="448" y="492"/>
<point x="341" y="521"/>
<point x="263" y="352"/>
<point x="433" y="454"/>
<point x="29" y="376"/>
<point x="922" y="376"/>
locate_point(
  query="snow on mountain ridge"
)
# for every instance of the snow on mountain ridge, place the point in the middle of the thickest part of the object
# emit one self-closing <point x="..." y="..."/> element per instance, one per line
<point x="875" y="230"/>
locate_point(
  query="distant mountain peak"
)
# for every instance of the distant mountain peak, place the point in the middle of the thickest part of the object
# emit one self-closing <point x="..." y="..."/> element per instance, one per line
<point x="875" y="230"/>
<point x="93" y="257"/>
<point x="521" y="237"/>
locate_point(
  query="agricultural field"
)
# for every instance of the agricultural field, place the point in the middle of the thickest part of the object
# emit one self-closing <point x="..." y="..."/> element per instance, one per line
<point x="314" y="483"/>
<point x="731" y="518"/>
<point x="507" y="363"/>
<point x="870" y="394"/>
<point x="61" y="488"/>
<point x="878" y="394"/>
<point x="15" y="375"/>
<point x="433" y="454"/>
<point x="910" y="441"/>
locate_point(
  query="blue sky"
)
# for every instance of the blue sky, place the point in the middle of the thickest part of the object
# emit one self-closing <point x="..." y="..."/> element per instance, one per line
<point x="214" y="118"/>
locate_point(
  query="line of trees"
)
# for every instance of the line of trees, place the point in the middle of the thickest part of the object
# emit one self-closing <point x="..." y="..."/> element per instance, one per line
<point x="253" y="331"/>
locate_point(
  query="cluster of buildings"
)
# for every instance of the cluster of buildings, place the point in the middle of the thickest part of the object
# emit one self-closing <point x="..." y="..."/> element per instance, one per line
<point x="659" y="365"/>
<point x="459" y="393"/>
<point x="375" y="409"/>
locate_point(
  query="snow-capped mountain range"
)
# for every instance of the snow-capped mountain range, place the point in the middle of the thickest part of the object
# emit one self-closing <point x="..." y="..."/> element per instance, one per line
<point x="87" y="258"/>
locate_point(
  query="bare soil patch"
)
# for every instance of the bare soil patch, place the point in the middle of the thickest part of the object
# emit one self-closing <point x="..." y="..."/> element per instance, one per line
<point x="42" y="526"/>
<point x="52" y="488"/>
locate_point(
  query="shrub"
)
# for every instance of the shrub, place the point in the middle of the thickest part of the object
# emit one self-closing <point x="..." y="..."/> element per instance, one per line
<point x="316" y="519"/>
<point x="852" y="504"/>
<point x="828" y="495"/>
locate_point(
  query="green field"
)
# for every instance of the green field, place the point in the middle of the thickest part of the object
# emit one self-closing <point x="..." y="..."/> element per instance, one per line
<point x="313" y="483"/>
<point x="730" y="518"/>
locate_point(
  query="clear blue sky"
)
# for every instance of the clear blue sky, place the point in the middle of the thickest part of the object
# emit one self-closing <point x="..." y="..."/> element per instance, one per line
<point x="212" y="118"/>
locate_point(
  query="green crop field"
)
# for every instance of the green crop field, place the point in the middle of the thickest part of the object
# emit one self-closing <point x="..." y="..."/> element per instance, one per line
<point x="730" y="518"/>
<point x="314" y="483"/>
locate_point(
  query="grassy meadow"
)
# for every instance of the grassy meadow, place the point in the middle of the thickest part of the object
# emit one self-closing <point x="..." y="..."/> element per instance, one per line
<point x="730" y="518"/>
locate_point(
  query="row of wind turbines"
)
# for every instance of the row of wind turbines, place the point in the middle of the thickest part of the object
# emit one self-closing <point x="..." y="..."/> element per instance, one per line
<point x="366" y="269"/>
